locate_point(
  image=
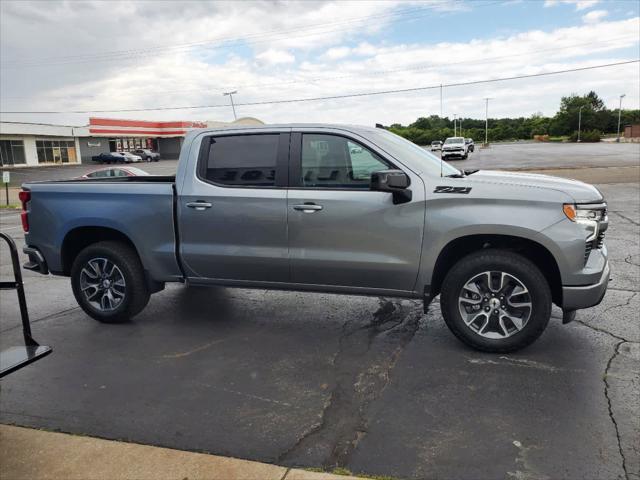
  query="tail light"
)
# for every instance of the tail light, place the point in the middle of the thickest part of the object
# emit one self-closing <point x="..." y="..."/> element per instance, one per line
<point x="25" y="197"/>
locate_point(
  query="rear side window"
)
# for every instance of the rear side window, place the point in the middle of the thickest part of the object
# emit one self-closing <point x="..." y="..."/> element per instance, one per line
<point x="243" y="160"/>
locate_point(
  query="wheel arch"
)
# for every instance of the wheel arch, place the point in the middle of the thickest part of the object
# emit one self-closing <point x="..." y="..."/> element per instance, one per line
<point x="460" y="247"/>
<point x="79" y="238"/>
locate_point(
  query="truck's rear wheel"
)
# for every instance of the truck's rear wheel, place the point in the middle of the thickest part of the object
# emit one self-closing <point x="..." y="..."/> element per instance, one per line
<point x="496" y="301"/>
<point x="108" y="282"/>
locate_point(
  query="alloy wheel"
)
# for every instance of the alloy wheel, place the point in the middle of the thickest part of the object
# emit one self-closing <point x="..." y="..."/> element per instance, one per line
<point x="102" y="283"/>
<point x="495" y="304"/>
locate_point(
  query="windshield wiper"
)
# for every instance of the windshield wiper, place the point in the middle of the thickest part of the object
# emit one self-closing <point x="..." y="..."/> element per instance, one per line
<point x="470" y="172"/>
<point x="455" y="175"/>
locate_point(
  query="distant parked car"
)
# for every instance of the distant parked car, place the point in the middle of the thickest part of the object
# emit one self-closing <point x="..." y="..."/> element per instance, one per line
<point x="470" y="145"/>
<point x="111" y="172"/>
<point x="437" y="145"/>
<point x="108" y="157"/>
<point x="129" y="157"/>
<point x="147" y="155"/>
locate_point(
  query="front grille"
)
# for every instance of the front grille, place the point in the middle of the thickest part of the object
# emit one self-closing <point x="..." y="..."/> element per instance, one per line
<point x="600" y="240"/>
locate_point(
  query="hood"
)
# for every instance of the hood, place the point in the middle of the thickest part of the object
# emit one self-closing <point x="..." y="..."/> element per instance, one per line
<point x="580" y="192"/>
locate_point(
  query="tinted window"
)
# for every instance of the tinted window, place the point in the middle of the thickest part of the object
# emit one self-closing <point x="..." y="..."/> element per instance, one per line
<point x="331" y="161"/>
<point x="244" y="160"/>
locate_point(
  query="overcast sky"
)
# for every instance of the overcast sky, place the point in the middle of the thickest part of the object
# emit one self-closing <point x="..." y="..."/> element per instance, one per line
<point x="74" y="55"/>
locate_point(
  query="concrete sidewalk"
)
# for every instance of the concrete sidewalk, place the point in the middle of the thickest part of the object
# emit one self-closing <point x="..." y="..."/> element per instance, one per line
<point x="38" y="455"/>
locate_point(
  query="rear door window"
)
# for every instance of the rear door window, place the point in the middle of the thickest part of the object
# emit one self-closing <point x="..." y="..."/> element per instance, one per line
<point x="243" y="160"/>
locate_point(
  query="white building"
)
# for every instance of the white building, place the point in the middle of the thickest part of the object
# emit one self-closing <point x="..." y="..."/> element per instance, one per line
<point x="36" y="144"/>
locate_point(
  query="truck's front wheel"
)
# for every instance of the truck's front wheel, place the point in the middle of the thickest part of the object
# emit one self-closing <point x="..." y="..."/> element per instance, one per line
<point x="496" y="301"/>
<point x="108" y="282"/>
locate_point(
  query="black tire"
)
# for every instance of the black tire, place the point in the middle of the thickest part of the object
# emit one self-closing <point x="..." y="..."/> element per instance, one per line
<point x="136" y="292"/>
<point x="496" y="261"/>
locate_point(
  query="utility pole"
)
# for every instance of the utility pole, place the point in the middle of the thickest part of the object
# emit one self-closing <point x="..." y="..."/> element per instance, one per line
<point x="231" y="94"/>
<point x="486" y="121"/>
<point x="619" y="112"/>
<point x="440" y="100"/>
<point x="454" y="124"/>
<point x="579" y="121"/>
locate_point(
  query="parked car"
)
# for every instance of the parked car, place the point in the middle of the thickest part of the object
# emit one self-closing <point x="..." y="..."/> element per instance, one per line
<point x="129" y="157"/>
<point x="435" y="146"/>
<point x="147" y="155"/>
<point x="394" y="220"/>
<point x="455" y="147"/>
<point x="108" y="157"/>
<point x="470" y="145"/>
<point x="115" y="172"/>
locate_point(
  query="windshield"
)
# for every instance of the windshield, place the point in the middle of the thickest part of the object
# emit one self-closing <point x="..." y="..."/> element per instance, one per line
<point x="454" y="140"/>
<point x="402" y="148"/>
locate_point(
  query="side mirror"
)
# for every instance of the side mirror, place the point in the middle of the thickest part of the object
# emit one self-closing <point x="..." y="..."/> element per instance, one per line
<point x="395" y="182"/>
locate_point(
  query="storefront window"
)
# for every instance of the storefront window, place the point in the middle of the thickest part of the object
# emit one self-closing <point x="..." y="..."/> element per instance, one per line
<point x="12" y="152"/>
<point x="129" y="144"/>
<point x="56" y="151"/>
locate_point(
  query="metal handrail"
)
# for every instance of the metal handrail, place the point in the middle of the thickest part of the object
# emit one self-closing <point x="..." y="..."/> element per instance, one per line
<point x="17" y="357"/>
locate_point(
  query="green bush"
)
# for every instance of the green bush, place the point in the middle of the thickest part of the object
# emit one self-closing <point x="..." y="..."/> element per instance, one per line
<point x="586" y="136"/>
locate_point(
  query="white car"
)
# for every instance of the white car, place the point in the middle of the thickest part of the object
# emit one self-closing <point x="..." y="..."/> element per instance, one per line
<point x="128" y="157"/>
<point x="455" y="147"/>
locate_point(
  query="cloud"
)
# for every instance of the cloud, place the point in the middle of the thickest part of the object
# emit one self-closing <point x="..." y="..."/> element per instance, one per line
<point x="267" y="65"/>
<point x="275" y="57"/>
<point x="337" y="53"/>
<point x="594" y="16"/>
<point x="580" y="4"/>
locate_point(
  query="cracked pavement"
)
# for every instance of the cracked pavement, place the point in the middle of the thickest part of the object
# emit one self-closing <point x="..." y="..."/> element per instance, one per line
<point x="372" y="385"/>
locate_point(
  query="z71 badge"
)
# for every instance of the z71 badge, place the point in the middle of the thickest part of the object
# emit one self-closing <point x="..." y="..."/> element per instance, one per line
<point x="445" y="189"/>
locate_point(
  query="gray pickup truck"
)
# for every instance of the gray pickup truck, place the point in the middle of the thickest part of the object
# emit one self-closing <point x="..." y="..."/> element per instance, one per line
<point x="325" y="208"/>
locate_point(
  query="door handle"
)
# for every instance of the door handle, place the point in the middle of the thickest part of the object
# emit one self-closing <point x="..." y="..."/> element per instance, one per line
<point x="308" y="207"/>
<point x="199" y="205"/>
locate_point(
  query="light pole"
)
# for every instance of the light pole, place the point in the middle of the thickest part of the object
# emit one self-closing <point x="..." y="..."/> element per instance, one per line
<point x="454" y="124"/>
<point x="231" y="94"/>
<point x="619" y="112"/>
<point x="486" y="121"/>
<point x="579" y="121"/>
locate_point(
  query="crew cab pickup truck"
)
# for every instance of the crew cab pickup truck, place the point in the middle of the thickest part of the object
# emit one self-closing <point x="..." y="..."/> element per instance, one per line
<point x="455" y="147"/>
<point x="324" y="208"/>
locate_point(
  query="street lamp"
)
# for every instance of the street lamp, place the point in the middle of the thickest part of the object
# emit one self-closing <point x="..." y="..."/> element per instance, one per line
<point x="231" y="94"/>
<point x="579" y="121"/>
<point x="486" y="121"/>
<point x="619" y="112"/>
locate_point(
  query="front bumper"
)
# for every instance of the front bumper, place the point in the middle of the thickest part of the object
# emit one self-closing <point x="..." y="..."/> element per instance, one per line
<point x="585" y="296"/>
<point x="456" y="153"/>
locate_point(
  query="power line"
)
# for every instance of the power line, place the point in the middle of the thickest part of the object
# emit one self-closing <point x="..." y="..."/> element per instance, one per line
<point x="234" y="41"/>
<point x="417" y="67"/>
<point x="333" y="97"/>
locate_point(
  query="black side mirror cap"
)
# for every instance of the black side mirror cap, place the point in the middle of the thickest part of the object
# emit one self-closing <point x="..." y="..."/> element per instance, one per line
<point x="395" y="182"/>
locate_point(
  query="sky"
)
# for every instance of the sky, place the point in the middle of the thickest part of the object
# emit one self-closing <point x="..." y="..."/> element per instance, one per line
<point x="121" y="55"/>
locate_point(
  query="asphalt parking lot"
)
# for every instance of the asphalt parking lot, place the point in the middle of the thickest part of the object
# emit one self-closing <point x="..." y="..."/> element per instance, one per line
<point x="370" y="384"/>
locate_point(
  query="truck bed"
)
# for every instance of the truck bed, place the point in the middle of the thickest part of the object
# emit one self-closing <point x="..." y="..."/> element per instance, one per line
<point x="141" y="208"/>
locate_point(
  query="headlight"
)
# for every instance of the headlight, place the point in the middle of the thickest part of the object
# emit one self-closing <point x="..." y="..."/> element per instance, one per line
<point x="588" y="215"/>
